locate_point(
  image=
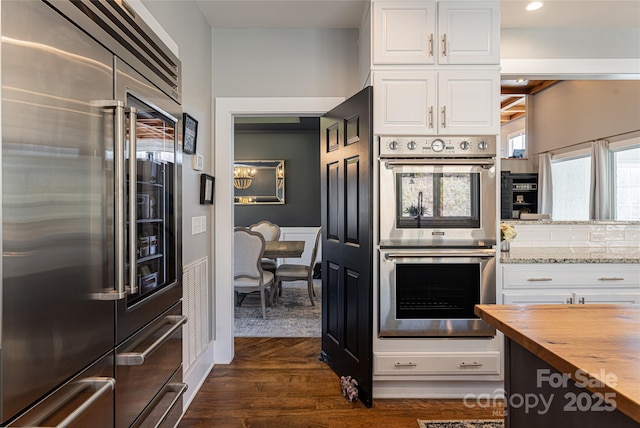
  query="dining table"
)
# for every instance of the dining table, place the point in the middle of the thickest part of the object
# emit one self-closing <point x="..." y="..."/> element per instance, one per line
<point x="283" y="249"/>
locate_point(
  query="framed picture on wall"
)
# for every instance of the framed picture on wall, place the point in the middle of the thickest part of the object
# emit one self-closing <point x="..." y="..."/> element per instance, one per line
<point x="189" y="133"/>
<point x="206" y="189"/>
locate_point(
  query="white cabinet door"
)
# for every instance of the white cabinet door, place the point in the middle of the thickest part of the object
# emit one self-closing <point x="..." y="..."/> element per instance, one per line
<point x="404" y="102"/>
<point x="403" y="32"/>
<point x="599" y="297"/>
<point x="469" y="102"/>
<point x="469" y="32"/>
<point x="540" y="298"/>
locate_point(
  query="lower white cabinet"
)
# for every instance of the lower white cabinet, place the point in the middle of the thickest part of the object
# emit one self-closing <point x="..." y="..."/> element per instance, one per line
<point x="436" y="363"/>
<point x="569" y="298"/>
<point x="570" y="283"/>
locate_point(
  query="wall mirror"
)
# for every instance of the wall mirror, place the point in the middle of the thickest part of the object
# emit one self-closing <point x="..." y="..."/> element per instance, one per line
<point x="258" y="182"/>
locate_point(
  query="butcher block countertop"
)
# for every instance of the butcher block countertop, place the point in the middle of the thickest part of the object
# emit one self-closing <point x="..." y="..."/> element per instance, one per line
<point x="602" y="341"/>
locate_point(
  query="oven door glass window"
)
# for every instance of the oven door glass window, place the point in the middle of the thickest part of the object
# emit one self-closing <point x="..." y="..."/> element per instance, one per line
<point x="437" y="200"/>
<point x="437" y="291"/>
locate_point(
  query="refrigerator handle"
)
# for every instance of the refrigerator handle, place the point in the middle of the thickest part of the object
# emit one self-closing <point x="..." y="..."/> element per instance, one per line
<point x="133" y="191"/>
<point x="119" y="216"/>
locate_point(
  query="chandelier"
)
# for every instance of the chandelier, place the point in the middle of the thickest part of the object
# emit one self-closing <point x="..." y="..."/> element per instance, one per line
<point x="243" y="177"/>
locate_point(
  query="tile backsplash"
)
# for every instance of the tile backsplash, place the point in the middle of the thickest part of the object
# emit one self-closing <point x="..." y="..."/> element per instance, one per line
<point x="578" y="234"/>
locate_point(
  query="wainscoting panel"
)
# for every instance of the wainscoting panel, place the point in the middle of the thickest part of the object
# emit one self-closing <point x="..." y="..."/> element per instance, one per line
<point x="306" y="234"/>
<point x="196" y="308"/>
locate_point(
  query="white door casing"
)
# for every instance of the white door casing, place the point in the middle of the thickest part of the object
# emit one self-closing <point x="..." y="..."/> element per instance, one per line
<point x="226" y="109"/>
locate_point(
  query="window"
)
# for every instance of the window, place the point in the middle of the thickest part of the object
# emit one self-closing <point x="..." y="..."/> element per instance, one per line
<point x="626" y="176"/>
<point x="571" y="181"/>
<point x="517" y="144"/>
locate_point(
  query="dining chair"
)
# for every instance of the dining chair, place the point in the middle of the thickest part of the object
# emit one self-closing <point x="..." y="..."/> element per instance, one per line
<point x="297" y="272"/>
<point x="249" y="277"/>
<point x="270" y="232"/>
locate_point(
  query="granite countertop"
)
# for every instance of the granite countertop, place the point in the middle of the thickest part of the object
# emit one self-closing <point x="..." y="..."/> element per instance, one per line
<point x="571" y="255"/>
<point x="557" y="335"/>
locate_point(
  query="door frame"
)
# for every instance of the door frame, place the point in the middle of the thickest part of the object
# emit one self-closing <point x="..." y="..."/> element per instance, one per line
<point x="221" y="236"/>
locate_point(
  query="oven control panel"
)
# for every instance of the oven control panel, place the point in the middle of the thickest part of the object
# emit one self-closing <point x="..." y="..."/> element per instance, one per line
<point x="443" y="146"/>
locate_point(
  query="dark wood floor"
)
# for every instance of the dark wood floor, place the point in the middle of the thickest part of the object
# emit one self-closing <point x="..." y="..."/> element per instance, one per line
<point x="278" y="382"/>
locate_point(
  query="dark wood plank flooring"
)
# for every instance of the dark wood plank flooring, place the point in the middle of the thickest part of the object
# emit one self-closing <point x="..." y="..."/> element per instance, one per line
<point x="278" y="382"/>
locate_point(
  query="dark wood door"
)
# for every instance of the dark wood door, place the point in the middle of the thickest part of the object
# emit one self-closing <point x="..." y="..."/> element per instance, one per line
<point x="347" y="291"/>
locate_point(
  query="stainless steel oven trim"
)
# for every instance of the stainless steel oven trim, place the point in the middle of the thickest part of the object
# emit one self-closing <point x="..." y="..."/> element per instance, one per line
<point x="390" y="326"/>
<point x="485" y="163"/>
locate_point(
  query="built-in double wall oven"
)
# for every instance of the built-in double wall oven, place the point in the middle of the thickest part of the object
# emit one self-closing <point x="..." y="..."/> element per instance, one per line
<point x="437" y="222"/>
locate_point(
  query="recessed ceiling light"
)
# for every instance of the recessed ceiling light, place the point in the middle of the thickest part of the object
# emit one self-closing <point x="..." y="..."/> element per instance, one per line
<point x="534" y="5"/>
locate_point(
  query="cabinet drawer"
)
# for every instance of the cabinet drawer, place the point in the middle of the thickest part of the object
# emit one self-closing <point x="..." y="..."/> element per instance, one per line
<point x="441" y="363"/>
<point x="596" y="275"/>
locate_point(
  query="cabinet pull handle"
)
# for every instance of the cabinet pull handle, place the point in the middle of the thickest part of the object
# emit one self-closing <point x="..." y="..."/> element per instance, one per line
<point x="409" y="364"/>
<point x="611" y="278"/>
<point x="99" y="386"/>
<point x="444" y="44"/>
<point x="138" y="358"/>
<point x="431" y="44"/>
<point x="539" y="279"/>
<point x="581" y="300"/>
<point x="569" y="300"/>
<point x="474" y="364"/>
<point x="444" y="116"/>
<point x="431" y="117"/>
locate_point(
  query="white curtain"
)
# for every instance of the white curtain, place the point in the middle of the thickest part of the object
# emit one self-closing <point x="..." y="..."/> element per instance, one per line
<point x="545" y="185"/>
<point x="600" y="191"/>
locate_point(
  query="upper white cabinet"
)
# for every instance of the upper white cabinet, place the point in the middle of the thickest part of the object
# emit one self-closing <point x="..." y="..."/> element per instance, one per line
<point x="425" y="102"/>
<point x="469" y="32"/>
<point x="418" y="32"/>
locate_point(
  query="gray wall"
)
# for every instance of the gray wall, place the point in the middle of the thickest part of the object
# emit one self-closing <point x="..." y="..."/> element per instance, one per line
<point x="564" y="43"/>
<point x="190" y="30"/>
<point x="301" y="154"/>
<point x="285" y="63"/>
<point x="577" y="111"/>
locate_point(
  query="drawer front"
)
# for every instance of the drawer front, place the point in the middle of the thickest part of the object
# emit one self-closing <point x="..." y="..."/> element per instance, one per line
<point x="146" y="362"/>
<point x="166" y="408"/>
<point x="91" y="390"/>
<point x="597" y="275"/>
<point x="449" y="363"/>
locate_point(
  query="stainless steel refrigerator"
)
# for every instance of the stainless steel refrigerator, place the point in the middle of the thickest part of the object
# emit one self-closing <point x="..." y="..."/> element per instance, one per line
<point x="91" y="317"/>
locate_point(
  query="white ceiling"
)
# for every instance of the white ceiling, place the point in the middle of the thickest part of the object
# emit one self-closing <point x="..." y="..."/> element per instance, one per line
<point x="348" y="13"/>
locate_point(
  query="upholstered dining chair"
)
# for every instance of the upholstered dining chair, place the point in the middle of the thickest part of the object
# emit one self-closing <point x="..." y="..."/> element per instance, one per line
<point x="270" y="232"/>
<point x="249" y="276"/>
<point x="297" y="272"/>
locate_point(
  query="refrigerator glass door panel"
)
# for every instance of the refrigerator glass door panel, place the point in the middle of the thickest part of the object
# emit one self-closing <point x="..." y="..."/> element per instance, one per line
<point x="57" y="221"/>
<point x="155" y="192"/>
<point x="154" y="132"/>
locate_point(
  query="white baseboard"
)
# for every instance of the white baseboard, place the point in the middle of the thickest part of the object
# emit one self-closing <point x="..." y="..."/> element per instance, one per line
<point x="196" y="375"/>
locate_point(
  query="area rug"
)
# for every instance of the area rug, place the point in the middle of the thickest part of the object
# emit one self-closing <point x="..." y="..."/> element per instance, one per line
<point x="462" y="424"/>
<point x="293" y="317"/>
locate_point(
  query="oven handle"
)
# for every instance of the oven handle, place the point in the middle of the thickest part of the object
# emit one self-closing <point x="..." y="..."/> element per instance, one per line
<point x="485" y="163"/>
<point x="484" y="253"/>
